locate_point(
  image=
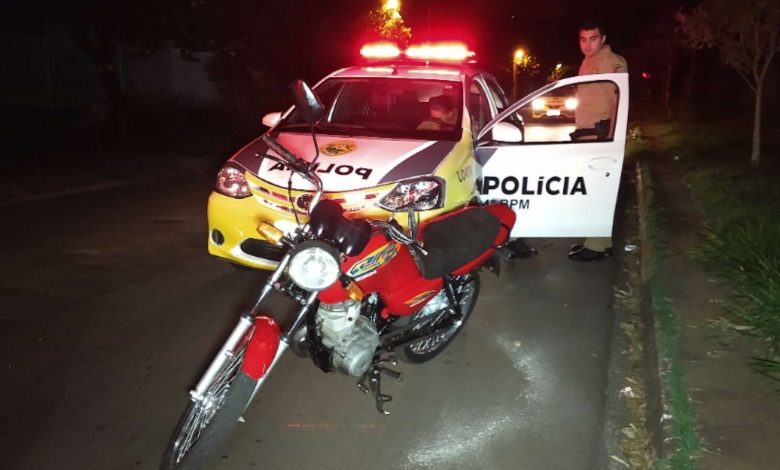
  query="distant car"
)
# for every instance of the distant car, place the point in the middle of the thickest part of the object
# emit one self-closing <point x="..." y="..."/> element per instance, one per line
<point x="560" y="104"/>
<point x="376" y="157"/>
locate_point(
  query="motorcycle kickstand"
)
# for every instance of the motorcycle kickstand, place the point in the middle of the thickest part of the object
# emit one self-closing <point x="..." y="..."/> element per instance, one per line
<point x="374" y="377"/>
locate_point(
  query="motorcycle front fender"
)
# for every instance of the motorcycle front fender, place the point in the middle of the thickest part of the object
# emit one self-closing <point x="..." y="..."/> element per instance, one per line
<point x="262" y="348"/>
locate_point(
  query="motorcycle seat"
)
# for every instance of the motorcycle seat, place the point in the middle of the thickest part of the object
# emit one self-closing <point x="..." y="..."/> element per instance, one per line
<point x="456" y="239"/>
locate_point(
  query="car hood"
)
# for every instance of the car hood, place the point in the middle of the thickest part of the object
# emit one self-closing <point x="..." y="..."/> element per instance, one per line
<point x="347" y="163"/>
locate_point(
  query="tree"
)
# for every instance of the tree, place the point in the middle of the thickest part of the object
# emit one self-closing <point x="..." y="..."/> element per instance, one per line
<point x="386" y="21"/>
<point x="558" y="72"/>
<point x="659" y="48"/>
<point x="256" y="53"/>
<point x="108" y="31"/>
<point x="746" y="36"/>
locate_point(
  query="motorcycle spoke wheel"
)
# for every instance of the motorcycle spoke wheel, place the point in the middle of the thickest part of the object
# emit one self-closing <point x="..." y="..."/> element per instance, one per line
<point x="205" y="425"/>
<point x="425" y="349"/>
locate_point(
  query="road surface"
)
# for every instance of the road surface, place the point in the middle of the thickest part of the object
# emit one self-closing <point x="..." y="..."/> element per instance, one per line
<point x="110" y="307"/>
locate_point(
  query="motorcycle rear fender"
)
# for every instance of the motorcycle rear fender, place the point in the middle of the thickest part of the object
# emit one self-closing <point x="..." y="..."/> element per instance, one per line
<point x="262" y="347"/>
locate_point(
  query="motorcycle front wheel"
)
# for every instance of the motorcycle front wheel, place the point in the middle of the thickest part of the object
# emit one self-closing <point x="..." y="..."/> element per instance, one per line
<point x="425" y="349"/>
<point x="205" y="426"/>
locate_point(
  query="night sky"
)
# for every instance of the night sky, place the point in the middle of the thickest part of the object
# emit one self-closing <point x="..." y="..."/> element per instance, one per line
<point x="327" y="32"/>
<point x="259" y="46"/>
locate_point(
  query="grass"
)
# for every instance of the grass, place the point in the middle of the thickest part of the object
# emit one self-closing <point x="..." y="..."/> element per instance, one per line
<point x="742" y="241"/>
<point x="748" y="256"/>
<point x="682" y="418"/>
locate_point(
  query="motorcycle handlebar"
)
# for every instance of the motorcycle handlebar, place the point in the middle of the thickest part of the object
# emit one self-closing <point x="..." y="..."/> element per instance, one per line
<point x="280" y="150"/>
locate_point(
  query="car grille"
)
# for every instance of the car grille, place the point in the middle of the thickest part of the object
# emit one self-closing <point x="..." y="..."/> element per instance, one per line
<point x="277" y="199"/>
<point x="263" y="249"/>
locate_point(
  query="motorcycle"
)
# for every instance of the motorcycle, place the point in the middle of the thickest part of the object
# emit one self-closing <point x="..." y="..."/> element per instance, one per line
<point x="369" y="292"/>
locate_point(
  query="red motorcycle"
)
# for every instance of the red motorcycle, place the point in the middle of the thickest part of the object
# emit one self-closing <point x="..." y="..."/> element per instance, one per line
<point x="369" y="291"/>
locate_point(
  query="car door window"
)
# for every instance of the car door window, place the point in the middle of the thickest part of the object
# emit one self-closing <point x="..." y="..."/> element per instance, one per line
<point x="501" y="102"/>
<point x="574" y="113"/>
<point x="479" y="108"/>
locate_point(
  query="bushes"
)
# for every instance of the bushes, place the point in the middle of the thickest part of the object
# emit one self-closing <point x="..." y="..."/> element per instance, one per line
<point x="742" y="242"/>
<point x="749" y="257"/>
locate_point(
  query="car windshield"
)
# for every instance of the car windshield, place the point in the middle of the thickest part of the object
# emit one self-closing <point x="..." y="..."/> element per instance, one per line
<point x="387" y="107"/>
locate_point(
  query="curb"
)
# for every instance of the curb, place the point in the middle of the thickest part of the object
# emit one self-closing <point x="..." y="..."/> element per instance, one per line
<point x="657" y="430"/>
<point x="617" y="415"/>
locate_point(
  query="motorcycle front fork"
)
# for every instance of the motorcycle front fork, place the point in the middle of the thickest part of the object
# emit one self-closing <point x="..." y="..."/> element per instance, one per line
<point x="246" y="321"/>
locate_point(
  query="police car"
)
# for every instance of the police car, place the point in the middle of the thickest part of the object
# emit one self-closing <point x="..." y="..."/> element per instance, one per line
<point x="387" y="142"/>
<point x="555" y="105"/>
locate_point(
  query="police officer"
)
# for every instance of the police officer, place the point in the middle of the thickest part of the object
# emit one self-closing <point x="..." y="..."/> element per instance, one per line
<point x="596" y="111"/>
<point x="443" y="115"/>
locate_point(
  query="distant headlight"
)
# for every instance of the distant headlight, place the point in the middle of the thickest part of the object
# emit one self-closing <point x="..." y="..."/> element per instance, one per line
<point x="422" y="194"/>
<point x="538" y="104"/>
<point x="231" y="182"/>
<point x="314" y="266"/>
<point x="571" y="104"/>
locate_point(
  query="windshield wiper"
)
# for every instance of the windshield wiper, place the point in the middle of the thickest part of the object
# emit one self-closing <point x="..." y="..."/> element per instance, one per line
<point x="299" y="125"/>
<point x="325" y="127"/>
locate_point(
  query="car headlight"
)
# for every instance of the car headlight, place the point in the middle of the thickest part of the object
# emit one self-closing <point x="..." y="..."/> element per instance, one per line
<point x="232" y="182"/>
<point x="538" y="104"/>
<point x="571" y="104"/>
<point x="422" y="194"/>
<point x="314" y="265"/>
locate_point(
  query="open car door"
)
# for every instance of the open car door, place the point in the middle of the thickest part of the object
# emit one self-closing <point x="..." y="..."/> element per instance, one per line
<point x="560" y="183"/>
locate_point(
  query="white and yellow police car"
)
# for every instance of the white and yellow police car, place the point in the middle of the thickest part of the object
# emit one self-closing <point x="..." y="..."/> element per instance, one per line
<point x="425" y="127"/>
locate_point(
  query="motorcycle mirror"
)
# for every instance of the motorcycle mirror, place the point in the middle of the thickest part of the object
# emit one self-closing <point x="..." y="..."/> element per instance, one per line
<point x="307" y="102"/>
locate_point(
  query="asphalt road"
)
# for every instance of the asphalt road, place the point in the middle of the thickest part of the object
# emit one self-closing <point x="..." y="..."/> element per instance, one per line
<point x="110" y="307"/>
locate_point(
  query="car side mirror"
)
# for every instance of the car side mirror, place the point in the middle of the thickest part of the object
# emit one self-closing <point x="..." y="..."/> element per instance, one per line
<point x="506" y="132"/>
<point x="307" y="102"/>
<point x="271" y="119"/>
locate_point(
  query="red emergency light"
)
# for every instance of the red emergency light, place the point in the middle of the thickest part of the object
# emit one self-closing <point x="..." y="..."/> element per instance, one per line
<point x="380" y="50"/>
<point x="440" y="52"/>
<point x="429" y="52"/>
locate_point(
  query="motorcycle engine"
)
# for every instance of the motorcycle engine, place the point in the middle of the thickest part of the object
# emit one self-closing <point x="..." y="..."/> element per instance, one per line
<point x="352" y="338"/>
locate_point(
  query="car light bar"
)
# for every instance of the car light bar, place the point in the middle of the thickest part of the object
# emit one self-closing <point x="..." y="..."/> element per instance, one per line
<point x="444" y="52"/>
<point x="380" y="50"/>
<point x="430" y="52"/>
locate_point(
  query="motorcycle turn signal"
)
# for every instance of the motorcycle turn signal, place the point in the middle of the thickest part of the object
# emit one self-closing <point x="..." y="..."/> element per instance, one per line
<point x="353" y="290"/>
<point x="270" y="233"/>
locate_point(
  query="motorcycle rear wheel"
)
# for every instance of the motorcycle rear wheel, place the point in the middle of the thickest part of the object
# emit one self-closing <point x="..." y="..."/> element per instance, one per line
<point x="205" y="425"/>
<point x="426" y="349"/>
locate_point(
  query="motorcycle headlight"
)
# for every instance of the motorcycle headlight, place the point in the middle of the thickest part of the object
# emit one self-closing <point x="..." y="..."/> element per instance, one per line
<point x="314" y="265"/>
<point x="232" y="182"/>
<point x="422" y="194"/>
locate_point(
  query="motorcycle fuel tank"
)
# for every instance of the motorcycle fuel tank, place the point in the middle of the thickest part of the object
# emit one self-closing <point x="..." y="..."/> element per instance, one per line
<point x="387" y="268"/>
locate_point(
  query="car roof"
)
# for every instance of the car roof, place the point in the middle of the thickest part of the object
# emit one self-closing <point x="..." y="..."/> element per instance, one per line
<point x="455" y="73"/>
